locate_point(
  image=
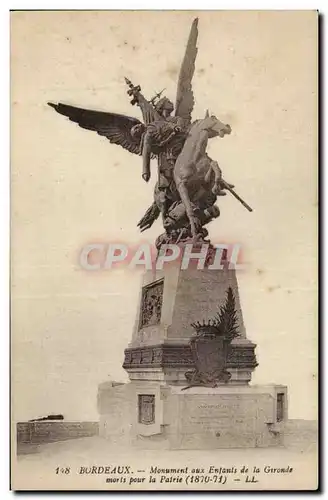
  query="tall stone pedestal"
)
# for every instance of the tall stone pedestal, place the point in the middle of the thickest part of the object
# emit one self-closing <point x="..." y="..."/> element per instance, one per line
<point x="157" y="409"/>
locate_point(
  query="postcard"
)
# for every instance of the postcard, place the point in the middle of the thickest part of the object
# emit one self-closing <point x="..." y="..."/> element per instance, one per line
<point x="164" y="326"/>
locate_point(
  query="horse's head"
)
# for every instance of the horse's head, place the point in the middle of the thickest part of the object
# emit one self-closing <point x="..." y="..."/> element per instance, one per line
<point x="214" y="126"/>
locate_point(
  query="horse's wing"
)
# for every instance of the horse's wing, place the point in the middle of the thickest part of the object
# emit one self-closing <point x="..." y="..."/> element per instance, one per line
<point x="116" y="128"/>
<point x="185" y="96"/>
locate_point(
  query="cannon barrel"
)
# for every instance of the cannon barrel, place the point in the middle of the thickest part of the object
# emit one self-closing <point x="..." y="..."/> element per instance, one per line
<point x="226" y="186"/>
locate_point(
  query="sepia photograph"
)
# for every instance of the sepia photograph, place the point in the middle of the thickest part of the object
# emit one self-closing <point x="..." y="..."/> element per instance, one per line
<point x="164" y="250"/>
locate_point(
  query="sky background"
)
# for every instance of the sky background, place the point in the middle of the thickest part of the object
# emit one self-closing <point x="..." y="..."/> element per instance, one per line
<point x="256" y="71"/>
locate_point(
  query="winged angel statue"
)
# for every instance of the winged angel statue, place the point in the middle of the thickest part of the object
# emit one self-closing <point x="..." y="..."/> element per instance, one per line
<point x="189" y="181"/>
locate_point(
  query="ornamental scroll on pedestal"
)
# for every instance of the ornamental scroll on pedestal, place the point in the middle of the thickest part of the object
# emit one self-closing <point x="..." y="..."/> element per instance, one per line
<point x="146" y="409"/>
<point x="210" y="346"/>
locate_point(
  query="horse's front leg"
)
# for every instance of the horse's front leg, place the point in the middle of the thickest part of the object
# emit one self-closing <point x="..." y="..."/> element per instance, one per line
<point x="184" y="195"/>
<point x="214" y="166"/>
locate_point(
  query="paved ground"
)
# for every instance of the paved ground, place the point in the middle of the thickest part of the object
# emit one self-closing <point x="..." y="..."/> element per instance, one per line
<point x="59" y="466"/>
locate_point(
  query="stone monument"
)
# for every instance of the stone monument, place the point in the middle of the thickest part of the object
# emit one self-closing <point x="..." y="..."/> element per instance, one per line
<point x="190" y="361"/>
<point x="176" y="397"/>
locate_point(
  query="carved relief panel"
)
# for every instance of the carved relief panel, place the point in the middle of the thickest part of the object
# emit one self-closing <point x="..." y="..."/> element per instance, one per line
<point x="151" y="304"/>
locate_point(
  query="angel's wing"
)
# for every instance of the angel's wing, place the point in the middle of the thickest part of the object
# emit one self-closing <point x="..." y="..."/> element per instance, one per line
<point x="185" y="96"/>
<point x="117" y="128"/>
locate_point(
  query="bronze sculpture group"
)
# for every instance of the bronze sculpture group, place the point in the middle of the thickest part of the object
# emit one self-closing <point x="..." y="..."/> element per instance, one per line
<point x="189" y="181"/>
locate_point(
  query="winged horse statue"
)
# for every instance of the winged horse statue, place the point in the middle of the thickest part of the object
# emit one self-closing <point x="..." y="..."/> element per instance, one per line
<point x="189" y="181"/>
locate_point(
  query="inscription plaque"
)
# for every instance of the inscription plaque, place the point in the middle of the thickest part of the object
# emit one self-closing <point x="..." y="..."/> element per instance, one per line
<point x="146" y="409"/>
<point x="227" y="420"/>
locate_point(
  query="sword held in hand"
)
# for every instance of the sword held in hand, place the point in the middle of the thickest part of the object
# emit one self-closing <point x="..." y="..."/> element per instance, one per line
<point x="226" y="186"/>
